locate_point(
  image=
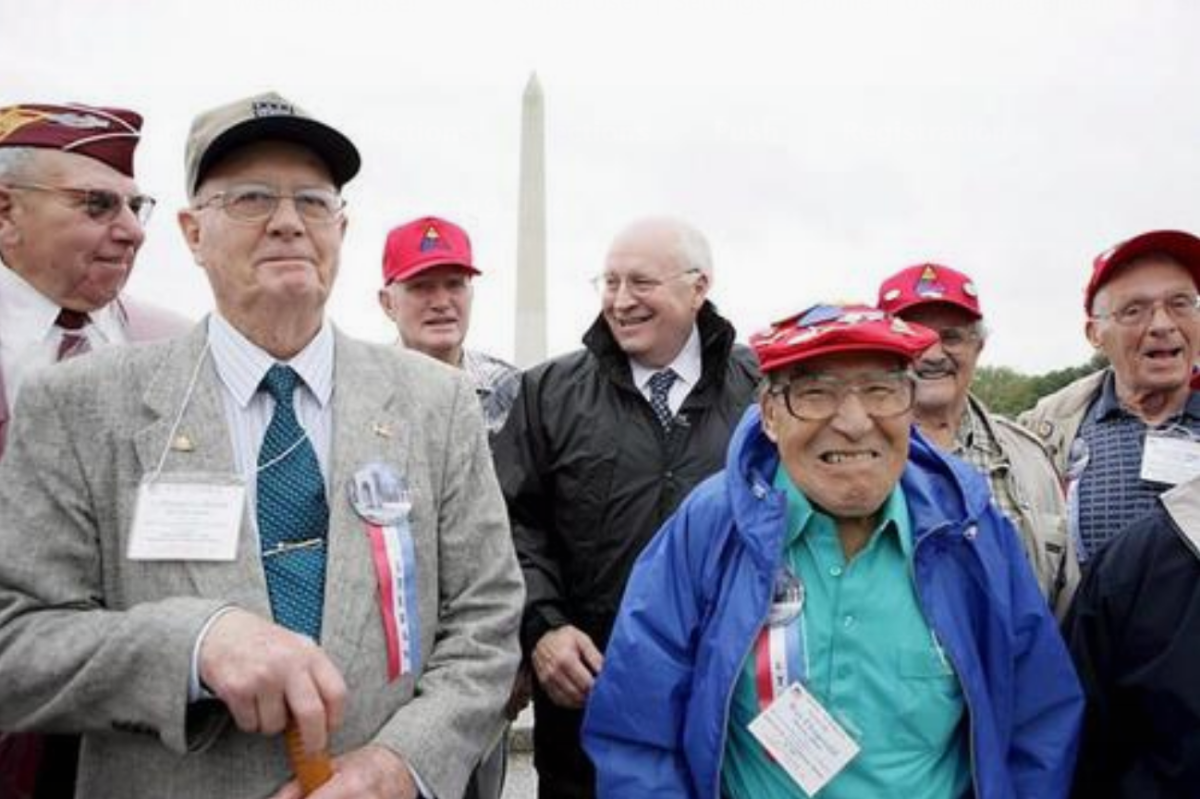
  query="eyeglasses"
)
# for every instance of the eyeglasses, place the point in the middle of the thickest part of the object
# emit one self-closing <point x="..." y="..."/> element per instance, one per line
<point x="253" y="203"/>
<point x="957" y="339"/>
<point x="100" y="205"/>
<point x="639" y="286"/>
<point x="815" y="398"/>
<point x="1180" y="307"/>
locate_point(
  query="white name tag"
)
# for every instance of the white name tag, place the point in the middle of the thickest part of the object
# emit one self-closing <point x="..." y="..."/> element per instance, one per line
<point x="1170" y="459"/>
<point x="187" y="517"/>
<point x="803" y="738"/>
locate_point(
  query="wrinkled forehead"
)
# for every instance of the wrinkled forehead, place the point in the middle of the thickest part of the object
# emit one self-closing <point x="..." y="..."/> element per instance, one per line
<point x="646" y="249"/>
<point x="71" y="170"/>
<point x="847" y="365"/>
<point x="442" y="274"/>
<point x="269" y="162"/>
<point x="1147" y="276"/>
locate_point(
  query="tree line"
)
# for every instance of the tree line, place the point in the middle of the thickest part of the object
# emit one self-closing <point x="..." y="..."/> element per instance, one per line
<point x="1005" y="390"/>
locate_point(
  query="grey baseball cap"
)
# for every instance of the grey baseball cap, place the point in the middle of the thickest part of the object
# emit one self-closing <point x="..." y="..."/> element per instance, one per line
<point x="220" y="131"/>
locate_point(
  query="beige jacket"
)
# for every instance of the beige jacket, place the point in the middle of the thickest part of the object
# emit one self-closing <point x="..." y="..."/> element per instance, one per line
<point x="1056" y="418"/>
<point x="1028" y="490"/>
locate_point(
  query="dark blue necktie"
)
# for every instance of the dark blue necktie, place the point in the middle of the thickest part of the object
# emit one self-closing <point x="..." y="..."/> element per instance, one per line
<point x="293" y="516"/>
<point x="660" y="390"/>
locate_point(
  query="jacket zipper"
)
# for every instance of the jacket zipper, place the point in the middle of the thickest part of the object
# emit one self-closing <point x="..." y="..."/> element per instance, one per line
<point x="949" y="655"/>
<point x="729" y="701"/>
<point x="761" y="492"/>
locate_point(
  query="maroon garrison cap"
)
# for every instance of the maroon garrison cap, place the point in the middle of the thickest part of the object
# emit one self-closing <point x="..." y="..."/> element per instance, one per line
<point x="108" y="135"/>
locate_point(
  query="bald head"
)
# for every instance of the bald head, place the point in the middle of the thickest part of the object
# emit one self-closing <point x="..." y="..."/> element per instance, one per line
<point x="655" y="282"/>
<point x="678" y="241"/>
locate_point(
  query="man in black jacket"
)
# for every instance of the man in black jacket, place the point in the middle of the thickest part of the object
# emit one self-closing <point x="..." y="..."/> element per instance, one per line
<point x="599" y="449"/>
<point x="1134" y="632"/>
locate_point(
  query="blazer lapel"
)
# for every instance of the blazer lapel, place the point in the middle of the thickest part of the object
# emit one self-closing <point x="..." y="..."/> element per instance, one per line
<point x="3" y="413"/>
<point x="364" y="430"/>
<point x="200" y="445"/>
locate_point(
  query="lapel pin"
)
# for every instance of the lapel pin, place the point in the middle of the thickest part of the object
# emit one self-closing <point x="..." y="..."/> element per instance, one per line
<point x="182" y="443"/>
<point x="383" y="430"/>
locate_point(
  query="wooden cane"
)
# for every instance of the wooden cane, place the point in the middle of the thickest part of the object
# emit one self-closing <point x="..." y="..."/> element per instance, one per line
<point x="312" y="771"/>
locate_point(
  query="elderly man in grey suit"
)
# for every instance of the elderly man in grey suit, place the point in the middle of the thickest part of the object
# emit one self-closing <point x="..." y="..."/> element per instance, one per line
<point x="261" y="526"/>
<point x="71" y="222"/>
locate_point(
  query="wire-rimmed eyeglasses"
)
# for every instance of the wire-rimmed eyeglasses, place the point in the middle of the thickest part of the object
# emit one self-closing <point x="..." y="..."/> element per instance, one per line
<point x="815" y="398"/>
<point x="1180" y="307"/>
<point x="608" y="284"/>
<point x="255" y="203"/>
<point x="100" y="205"/>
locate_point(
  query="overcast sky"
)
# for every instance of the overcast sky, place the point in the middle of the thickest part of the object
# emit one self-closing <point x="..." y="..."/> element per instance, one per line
<point x="820" y="146"/>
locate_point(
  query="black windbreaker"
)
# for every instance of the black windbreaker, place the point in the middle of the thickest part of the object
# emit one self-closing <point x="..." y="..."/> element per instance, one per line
<point x="1134" y="633"/>
<point x="590" y="475"/>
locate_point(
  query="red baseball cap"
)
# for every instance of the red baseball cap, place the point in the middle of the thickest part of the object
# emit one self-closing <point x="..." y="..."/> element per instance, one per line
<point x="422" y="244"/>
<point x="108" y="135"/>
<point x="1183" y="247"/>
<point x="929" y="283"/>
<point x="829" y="329"/>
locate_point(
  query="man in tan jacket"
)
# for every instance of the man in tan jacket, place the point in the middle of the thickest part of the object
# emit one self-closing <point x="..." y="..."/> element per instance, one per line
<point x="1022" y="478"/>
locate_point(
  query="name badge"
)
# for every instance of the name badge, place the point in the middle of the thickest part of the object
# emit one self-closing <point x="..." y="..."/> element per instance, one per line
<point x="804" y="739"/>
<point x="187" y="517"/>
<point x="1170" y="459"/>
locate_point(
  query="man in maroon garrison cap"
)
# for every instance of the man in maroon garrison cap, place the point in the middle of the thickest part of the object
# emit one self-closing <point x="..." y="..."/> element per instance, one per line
<point x="71" y="221"/>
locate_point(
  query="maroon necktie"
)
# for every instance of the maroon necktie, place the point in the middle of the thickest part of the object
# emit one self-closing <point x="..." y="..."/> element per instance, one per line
<point x="73" y="342"/>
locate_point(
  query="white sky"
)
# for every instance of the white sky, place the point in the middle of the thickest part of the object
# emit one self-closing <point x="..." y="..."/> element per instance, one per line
<point x="820" y="146"/>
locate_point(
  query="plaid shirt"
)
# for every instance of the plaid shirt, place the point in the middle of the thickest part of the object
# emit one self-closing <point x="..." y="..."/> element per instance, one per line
<point x="976" y="444"/>
<point x="496" y="383"/>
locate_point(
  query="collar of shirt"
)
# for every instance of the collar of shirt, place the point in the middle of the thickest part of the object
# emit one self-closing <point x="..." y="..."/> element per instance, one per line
<point x="803" y="519"/>
<point x="27" y="316"/>
<point x="687" y="367"/>
<point x="1107" y="405"/>
<point x="975" y="431"/>
<point x="242" y="364"/>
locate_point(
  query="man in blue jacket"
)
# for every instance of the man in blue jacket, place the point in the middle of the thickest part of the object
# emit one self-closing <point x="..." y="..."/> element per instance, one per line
<point x="842" y="610"/>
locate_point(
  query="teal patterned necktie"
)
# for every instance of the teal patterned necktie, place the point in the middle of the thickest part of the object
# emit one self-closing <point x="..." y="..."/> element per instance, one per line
<point x="293" y="516"/>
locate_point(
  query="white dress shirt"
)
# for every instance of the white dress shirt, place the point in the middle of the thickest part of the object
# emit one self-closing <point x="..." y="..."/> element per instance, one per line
<point x="241" y="366"/>
<point x="29" y="338"/>
<point x="688" y="365"/>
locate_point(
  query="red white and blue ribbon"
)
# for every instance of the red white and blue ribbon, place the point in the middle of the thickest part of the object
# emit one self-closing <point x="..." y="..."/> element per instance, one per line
<point x="396" y="572"/>
<point x="780" y="659"/>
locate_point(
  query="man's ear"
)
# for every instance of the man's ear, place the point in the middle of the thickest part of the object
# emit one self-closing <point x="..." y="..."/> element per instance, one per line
<point x="700" y="288"/>
<point x="768" y="406"/>
<point x="386" y="302"/>
<point x="9" y="232"/>
<point x="189" y="225"/>
<point x="1092" y="331"/>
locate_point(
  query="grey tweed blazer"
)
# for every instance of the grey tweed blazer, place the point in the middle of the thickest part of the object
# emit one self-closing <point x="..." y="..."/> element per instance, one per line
<point x="93" y="642"/>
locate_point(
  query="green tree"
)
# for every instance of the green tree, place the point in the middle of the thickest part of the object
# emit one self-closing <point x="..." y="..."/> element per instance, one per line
<point x="1007" y="391"/>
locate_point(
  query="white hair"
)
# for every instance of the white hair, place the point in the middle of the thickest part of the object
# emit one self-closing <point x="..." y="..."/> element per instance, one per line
<point x="689" y="248"/>
<point x="15" y="162"/>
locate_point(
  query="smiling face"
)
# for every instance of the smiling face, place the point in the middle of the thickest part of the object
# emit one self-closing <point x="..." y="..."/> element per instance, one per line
<point x="651" y="323"/>
<point x="1154" y="357"/>
<point x="432" y="311"/>
<point x="847" y="464"/>
<point x="945" y="370"/>
<point x="49" y="239"/>
<point x="278" y="271"/>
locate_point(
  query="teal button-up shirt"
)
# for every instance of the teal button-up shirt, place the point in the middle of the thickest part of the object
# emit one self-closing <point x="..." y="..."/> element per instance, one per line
<point x="873" y="663"/>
